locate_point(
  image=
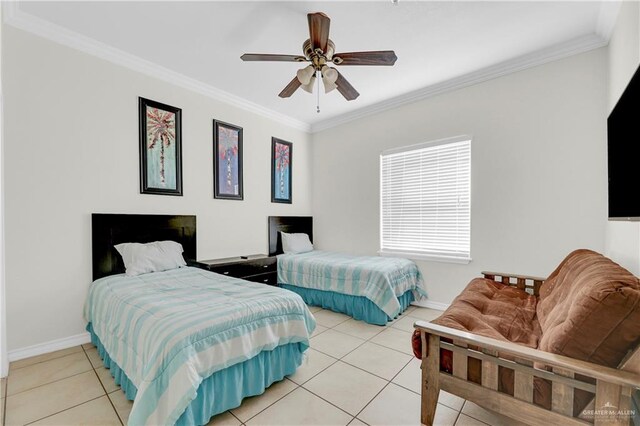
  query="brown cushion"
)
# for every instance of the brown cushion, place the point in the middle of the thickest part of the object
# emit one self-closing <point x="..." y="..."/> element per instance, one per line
<point x="495" y="310"/>
<point x="589" y="309"/>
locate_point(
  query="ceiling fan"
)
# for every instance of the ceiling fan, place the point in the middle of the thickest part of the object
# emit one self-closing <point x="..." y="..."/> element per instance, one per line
<point x="319" y="51"/>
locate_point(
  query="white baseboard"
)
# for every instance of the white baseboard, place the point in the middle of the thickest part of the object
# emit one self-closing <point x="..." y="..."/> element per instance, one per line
<point x="51" y="346"/>
<point x="431" y="304"/>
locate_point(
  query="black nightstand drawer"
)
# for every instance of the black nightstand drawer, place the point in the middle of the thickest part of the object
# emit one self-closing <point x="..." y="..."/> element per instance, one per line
<point x="235" y="270"/>
<point x="269" y="278"/>
<point x="259" y="266"/>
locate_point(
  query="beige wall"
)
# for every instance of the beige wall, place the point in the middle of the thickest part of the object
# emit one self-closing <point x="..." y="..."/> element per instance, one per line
<point x="538" y="170"/>
<point x="4" y="361"/>
<point x="71" y="145"/>
<point x="623" y="238"/>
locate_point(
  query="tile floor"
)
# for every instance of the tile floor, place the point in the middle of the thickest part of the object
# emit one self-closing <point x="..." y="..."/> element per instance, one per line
<point x="355" y="374"/>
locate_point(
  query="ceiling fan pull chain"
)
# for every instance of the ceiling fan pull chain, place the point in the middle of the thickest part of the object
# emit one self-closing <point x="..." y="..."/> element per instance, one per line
<point x="318" y="94"/>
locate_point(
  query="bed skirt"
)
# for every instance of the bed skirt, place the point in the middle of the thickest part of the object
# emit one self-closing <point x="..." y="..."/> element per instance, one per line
<point x="224" y="389"/>
<point x="358" y="307"/>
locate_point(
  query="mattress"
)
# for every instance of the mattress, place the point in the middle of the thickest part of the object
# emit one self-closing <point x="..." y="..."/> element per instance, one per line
<point x="168" y="331"/>
<point x="382" y="280"/>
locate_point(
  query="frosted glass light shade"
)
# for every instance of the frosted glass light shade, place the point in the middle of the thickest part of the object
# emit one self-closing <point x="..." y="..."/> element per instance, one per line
<point x="305" y="74"/>
<point x="309" y="87"/>
<point x="329" y="77"/>
<point x="330" y="74"/>
<point x="328" y="86"/>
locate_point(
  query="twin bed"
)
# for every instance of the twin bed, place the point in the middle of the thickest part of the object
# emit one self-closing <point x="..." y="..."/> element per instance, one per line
<point x="186" y="344"/>
<point x="371" y="289"/>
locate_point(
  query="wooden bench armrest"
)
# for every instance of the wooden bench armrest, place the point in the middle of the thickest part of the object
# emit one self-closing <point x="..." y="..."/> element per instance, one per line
<point x="492" y="275"/>
<point x="610" y="375"/>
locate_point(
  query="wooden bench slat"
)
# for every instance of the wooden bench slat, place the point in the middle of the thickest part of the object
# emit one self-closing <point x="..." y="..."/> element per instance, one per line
<point x="607" y="399"/>
<point x="562" y="394"/>
<point x="460" y="361"/>
<point x="490" y="370"/>
<point x="523" y="386"/>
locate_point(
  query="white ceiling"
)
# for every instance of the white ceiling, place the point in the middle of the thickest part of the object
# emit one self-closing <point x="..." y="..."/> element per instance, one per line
<point x="435" y="41"/>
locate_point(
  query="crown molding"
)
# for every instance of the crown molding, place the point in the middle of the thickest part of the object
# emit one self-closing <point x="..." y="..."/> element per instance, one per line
<point x="540" y="57"/>
<point x="15" y="17"/>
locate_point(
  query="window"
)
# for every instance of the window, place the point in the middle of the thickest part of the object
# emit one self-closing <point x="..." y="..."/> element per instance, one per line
<point x="425" y="200"/>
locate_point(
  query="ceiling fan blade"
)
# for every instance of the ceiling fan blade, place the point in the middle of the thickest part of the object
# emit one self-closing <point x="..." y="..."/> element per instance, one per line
<point x="378" y="57"/>
<point x="290" y="88"/>
<point x="319" y="30"/>
<point x="270" y="57"/>
<point x="346" y="89"/>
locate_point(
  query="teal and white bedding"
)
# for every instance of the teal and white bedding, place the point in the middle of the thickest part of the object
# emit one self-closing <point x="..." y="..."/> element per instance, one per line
<point x="379" y="279"/>
<point x="169" y="330"/>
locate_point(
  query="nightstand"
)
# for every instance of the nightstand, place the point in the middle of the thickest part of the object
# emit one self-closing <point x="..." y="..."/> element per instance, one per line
<point x="259" y="268"/>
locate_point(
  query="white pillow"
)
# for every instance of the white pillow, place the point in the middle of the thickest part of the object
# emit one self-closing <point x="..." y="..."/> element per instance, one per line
<point x="296" y="243"/>
<point x="151" y="257"/>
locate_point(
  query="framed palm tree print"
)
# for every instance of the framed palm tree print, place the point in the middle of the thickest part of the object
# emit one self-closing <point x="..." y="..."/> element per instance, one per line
<point x="227" y="161"/>
<point x="160" y="148"/>
<point x="281" y="163"/>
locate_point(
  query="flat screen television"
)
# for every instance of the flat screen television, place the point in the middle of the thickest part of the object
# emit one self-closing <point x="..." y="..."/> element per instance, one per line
<point x="623" y="146"/>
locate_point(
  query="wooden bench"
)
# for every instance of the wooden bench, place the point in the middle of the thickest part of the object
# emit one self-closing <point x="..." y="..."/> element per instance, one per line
<point x="612" y="387"/>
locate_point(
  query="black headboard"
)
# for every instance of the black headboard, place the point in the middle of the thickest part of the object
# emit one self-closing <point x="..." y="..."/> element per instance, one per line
<point x="108" y="230"/>
<point x="288" y="224"/>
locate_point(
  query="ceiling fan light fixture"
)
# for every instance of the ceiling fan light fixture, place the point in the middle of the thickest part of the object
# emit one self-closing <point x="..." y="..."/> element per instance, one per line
<point x="309" y="86"/>
<point x="319" y="50"/>
<point x="305" y="74"/>
<point x="329" y="78"/>
<point x="329" y="86"/>
<point x="329" y="74"/>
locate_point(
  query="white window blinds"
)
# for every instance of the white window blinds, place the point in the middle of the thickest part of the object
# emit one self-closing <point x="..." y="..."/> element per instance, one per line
<point x="425" y="200"/>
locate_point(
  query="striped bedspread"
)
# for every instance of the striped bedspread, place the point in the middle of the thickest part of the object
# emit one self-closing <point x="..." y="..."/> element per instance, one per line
<point x="379" y="279"/>
<point x="170" y="330"/>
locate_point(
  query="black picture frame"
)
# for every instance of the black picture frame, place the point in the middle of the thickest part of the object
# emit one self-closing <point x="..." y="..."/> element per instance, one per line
<point x="159" y="175"/>
<point x="281" y="175"/>
<point x="227" y="172"/>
